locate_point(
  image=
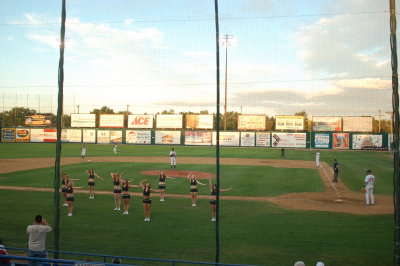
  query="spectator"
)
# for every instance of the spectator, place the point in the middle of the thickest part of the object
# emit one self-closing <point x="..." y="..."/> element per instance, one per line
<point x="37" y="239"/>
<point x="299" y="263"/>
<point x="116" y="261"/>
<point x="319" y="263"/>
<point x="3" y="251"/>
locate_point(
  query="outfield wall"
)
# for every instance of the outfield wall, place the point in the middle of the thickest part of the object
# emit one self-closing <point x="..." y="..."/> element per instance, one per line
<point x="316" y="140"/>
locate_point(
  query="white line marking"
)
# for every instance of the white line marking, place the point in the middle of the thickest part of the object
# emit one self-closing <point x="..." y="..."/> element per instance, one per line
<point x="330" y="181"/>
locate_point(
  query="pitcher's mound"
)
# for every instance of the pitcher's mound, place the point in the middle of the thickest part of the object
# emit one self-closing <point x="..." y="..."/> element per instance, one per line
<point x="179" y="173"/>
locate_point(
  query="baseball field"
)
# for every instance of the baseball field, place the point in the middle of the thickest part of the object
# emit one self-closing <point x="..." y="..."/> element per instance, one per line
<point x="278" y="211"/>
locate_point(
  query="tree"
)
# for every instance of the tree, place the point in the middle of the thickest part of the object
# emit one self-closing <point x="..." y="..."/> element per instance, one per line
<point x="16" y="116"/>
<point x="170" y="112"/>
<point x="66" y="120"/>
<point x="304" y="114"/>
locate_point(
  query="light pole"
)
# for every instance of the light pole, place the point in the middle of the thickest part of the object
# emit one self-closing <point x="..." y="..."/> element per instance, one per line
<point x="78" y="108"/>
<point x="225" y="41"/>
<point x="379" y="121"/>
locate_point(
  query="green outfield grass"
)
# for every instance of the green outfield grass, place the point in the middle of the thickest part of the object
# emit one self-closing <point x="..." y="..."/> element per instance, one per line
<point x="251" y="232"/>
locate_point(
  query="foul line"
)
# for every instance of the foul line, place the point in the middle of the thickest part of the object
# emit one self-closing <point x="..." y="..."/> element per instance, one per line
<point x="330" y="181"/>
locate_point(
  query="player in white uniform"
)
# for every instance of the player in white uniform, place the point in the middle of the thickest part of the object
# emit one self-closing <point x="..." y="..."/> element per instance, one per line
<point x="172" y="158"/>
<point x="317" y="156"/>
<point x="369" y="188"/>
<point x="83" y="151"/>
<point x="115" y="148"/>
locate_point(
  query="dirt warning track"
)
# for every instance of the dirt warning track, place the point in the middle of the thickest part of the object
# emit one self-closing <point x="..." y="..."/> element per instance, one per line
<point x="335" y="198"/>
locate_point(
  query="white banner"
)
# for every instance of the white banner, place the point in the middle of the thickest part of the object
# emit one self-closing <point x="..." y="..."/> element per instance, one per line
<point x="89" y="135"/>
<point x="169" y="121"/>
<point x="289" y="140"/>
<point x="71" y="135"/>
<point x="227" y="138"/>
<point x="247" y="139"/>
<point x="140" y="121"/>
<point x="168" y="137"/>
<point x="111" y="120"/>
<point x="138" y="136"/>
<point x="327" y="123"/>
<point x="357" y="124"/>
<point x="83" y="120"/>
<point x="289" y="122"/>
<point x="263" y="139"/>
<point x="251" y="122"/>
<point x="103" y="136"/>
<point x="198" y="138"/>
<point x="363" y="141"/>
<point x="199" y="121"/>
<point x="43" y="135"/>
<point x="321" y="140"/>
<point x="115" y="136"/>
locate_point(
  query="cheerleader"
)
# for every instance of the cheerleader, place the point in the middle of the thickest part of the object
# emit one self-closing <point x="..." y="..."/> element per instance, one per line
<point x="213" y="201"/>
<point x="126" y="195"/>
<point x="161" y="185"/>
<point x="91" y="175"/>
<point x="146" y="199"/>
<point x="70" y="197"/>
<point x="193" y="188"/>
<point x="64" y="182"/>
<point x="117" y="178"/>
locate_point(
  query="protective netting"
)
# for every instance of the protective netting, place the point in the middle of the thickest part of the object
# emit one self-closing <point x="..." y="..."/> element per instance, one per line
<point x="263" y="99"/>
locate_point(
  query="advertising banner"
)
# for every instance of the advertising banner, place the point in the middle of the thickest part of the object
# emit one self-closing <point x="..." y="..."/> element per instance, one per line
<point x="43" y="135"/>
<point x="22" y="135"/>
<point x="89" y="136"/>
<point x="198" y="138"/>
<point x="289" y="122"/>
<point x="38" y="120"/>
<point x="138" y="136"/>
<point x="83" y="120"/>
<point x="71" y="135"/>
<point x="227" y="138"/>
<point x="263" y="139"/>
<point x="111" y="120"/>
<point x="321" y="140"/>
<point x="169" y="121"/>
<point x="115" y="136"/>
<point x="103" y="136"/>
<point x="327" y="123"/>
<point x="367" y="142"/>
<point x="289" y="140"/>
<point x="340" y="141"/>
<point x="251" y="122"/>
<point x="8" y="134"/>
<point x="247" y="139"/>
<point x="199" y="121"/>
<point x="357" y="124"/>
<point x="140" y="121"/>
<point x="168" y="137"/>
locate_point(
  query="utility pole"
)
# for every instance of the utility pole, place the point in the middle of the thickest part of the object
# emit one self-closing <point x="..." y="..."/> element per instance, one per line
<point x="224" y="40"/>
<point x="379" y="121"/>
<point x="78" y="108"/>
<point x="127" y="109"/>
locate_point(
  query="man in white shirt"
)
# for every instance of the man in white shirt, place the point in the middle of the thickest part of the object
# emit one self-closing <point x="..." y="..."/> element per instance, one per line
<point x="317" y="156"/>
<point x="369" y="188"/>
<point x="172" y="158"/>
<point x="37" y="239"/>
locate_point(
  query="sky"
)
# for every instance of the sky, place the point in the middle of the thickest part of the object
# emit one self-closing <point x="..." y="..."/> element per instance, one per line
<point x="329" y="58"/>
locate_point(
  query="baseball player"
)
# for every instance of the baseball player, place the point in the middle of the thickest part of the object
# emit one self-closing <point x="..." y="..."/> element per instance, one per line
<point x="335" y="171"/>
<point x="317" y="156"/>
<point x="83" y="151"/>
<point x="369" y="188"/>
<point x="115" y="148"/>
<point x="172" y="158"/>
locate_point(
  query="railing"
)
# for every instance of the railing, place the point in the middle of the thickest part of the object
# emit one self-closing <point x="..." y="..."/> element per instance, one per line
<point x="104" y="258"/>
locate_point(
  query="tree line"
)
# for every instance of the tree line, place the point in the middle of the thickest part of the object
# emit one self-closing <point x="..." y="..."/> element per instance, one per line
<point x="16" y="118"/>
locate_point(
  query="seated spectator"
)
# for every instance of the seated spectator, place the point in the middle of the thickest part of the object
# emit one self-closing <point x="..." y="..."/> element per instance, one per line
<point x="299" y="263"/>
<point x="3" y="251"/>
<point x="116" y="261"/>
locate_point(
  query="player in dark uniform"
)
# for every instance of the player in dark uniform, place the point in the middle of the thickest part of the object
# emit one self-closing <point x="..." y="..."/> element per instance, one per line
<point x="146" y="199"/>
<point x="335" y="171"/>
<point x="126" y="197"/>
<point x="193" y="188"/>
<point x="213" y="201"/>
<point x="91" y="175"/>
<point x="161" y="185"/>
